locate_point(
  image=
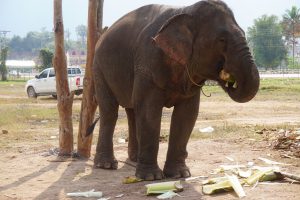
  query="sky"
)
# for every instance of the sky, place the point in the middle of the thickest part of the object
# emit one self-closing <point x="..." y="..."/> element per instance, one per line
<point x="21" y="16"/>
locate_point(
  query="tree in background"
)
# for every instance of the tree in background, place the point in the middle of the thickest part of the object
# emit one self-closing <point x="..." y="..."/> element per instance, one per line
<point x="266" y="40"/>
<point x="293" y="63"/>
<point x="291" y="28"/>
<point x="67" y="35"/>
<point x="46" y="56"/>
<point x="46" y="38"/>
<point x="3" y="69"/>
<point x="68" y="42"/>
<point x="16" y="44"/>
<point x="30" y="46"/>
<point x="81" y="31"/>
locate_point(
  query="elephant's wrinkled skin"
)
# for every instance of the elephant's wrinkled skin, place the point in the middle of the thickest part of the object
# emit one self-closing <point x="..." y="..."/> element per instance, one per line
<point x="148" y="60"/>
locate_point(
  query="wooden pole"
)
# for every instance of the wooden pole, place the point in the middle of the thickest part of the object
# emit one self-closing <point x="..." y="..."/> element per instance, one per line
<point x="89" y="104"/>
<point x="64" y="96"/>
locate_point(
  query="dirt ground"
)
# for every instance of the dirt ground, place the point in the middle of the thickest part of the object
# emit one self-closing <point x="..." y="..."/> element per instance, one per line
<point x="28" y="173"/>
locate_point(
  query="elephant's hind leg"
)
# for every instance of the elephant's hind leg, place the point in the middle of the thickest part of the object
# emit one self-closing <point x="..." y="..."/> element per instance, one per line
<point x="132" y="141"/>
<point x="108" y="108"/>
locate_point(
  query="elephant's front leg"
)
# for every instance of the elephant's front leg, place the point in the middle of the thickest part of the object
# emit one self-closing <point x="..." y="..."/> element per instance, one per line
<point x="148" y="111"/>
<point x="183" y="120"/>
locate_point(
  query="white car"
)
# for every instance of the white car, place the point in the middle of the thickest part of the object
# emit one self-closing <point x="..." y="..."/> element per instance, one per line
<point x="45" y="83"/>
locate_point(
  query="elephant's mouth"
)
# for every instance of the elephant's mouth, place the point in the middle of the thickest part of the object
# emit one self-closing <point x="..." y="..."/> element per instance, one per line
<point x="240" y="88"/>
<point x="227" y="81"/>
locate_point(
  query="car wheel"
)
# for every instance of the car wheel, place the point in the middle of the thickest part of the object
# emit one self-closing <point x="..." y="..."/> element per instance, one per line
<point x="54" y="96"/>
<point x="31" y="92"/>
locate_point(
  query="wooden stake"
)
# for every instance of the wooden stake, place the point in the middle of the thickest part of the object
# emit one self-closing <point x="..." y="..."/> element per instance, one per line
<point x="64" y="96"/>
<point x="89" y="104"/>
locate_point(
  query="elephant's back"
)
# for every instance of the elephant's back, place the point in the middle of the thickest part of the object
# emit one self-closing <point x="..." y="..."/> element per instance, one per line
<point x="125" y="31"/>
<point x="116" y="50"/>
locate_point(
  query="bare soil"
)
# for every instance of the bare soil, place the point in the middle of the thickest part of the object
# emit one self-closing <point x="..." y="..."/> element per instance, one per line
<point x="27" y="173"/>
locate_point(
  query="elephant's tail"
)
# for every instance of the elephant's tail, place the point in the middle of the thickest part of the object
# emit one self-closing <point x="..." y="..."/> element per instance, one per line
<point x="91" y="128"/>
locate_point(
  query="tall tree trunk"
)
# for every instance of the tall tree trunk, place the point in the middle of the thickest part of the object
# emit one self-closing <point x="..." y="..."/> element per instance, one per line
<point x="64" y="96"/>
<point x="294" y="42"/>
<point x="3" y="68"/>
<point x="100" y="16"/>
<point x="89" y="104"/>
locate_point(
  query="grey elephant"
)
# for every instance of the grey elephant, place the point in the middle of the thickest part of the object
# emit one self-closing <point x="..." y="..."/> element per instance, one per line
<point x="160" y="56"/>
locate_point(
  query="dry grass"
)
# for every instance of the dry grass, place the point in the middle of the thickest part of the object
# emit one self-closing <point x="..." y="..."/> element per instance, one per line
<point x="34" y="121"/>
<point x="32" y="127"/>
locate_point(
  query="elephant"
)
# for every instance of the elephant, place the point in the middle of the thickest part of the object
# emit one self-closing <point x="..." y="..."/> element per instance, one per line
<point x="160" y="56"/>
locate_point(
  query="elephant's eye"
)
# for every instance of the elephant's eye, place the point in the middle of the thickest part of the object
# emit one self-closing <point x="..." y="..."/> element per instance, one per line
<point x="222" y="40"/>
<point x="222" y="43"/>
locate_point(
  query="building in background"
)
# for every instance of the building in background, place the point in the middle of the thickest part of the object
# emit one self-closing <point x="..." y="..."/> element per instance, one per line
<point x="18" y="68"/>
<point x="76" y="57"/>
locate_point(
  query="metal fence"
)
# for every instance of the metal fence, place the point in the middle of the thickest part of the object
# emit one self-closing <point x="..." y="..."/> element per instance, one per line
<point x="279" y="73"/>
<point x="21" y="76"/>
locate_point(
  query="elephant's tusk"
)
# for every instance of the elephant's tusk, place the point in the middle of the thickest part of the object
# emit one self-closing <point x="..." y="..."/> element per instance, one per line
<point x="235" y="85"/>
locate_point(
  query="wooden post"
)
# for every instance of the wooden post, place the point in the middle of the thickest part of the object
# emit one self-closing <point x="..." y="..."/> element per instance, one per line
<point x="64" y="96"/>
<point x="89" y="104"/>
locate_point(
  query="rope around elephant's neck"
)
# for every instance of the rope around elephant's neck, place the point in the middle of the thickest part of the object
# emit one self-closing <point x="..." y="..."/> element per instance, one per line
<point x="190" y="78"/>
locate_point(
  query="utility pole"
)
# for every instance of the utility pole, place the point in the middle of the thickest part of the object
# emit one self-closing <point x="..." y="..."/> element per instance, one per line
<point x="3" y="52"/>
<point x="3" y="37"/>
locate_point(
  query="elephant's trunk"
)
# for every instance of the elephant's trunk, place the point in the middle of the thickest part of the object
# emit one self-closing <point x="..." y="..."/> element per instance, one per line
<point x="241" y="67"/>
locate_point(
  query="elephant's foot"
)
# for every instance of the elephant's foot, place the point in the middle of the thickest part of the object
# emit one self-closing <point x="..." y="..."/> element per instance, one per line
<point x="148" y="172"/>
<point x="105" y="162"/>
<point x="176" y="170"/>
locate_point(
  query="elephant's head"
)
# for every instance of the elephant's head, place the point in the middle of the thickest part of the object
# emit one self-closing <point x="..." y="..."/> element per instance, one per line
<point x="206" y="39"/>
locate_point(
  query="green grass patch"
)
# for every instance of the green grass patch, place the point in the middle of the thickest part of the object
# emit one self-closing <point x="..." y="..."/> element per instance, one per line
<point x="268" y="84"/>
<point x="26" y="123"/>
<point x="12" y="82"/>
<point x="270" y="89"/>
<point x="13" y="88"/>
<point x="31" y="124"/>
<point x="280" y="85"/>
<point x="279" y="89"/>
<point x="20" y="115"/>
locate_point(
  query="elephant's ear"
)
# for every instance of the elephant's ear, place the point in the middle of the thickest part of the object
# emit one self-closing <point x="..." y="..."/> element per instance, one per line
<point x="175" y="38"/>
